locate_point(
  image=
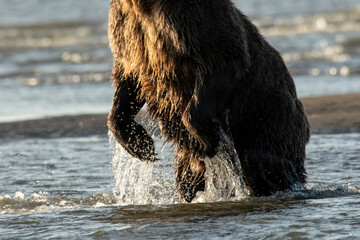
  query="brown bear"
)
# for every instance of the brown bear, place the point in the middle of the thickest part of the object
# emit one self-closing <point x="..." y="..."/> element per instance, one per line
<point x="202" y="67"/>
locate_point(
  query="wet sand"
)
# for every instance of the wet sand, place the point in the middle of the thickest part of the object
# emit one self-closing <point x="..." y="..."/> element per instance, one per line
<point x="333" y="114"/>
<point x="327" y="114"/>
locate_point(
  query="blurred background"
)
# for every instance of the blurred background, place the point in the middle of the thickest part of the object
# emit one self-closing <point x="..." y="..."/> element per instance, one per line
<point x="55" y="59"/>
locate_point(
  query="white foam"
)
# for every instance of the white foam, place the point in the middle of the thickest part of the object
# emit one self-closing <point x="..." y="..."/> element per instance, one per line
<point x="6" y="196"/>
<point x="19" y="196"/>
<point x="139" y="183"/>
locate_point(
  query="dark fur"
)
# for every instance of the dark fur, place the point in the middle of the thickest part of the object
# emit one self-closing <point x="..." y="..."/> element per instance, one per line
<point x="200" y="66"/>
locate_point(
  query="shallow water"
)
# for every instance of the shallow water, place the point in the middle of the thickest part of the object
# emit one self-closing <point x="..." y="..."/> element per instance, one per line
<point x="55" y="60"/>
<point x="61" y="188"/>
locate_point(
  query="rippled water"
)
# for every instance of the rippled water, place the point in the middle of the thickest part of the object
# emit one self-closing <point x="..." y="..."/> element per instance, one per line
<point x="63" y="188"/>
<point x="55" y="60"/>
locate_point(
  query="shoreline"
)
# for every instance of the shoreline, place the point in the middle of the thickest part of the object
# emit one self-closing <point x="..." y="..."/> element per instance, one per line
<point x="326" y="114"/>
<point x="333" y="113"/>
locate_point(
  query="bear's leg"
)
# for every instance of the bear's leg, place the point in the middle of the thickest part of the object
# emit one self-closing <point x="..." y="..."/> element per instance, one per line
<point x="131" y="135"/>
<point x="189" y="176"/>
<point x="267" y="173"/>
<point x="204" y="112"/>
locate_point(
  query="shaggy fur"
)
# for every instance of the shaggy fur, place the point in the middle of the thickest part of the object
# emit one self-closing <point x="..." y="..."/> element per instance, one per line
<point x="200" y="66"/>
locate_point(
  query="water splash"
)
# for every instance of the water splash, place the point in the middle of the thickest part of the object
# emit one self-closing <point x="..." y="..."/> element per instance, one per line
<point x="132" y="178"/>
<point x="223" y="181"/>
<point x="141" y="183"/>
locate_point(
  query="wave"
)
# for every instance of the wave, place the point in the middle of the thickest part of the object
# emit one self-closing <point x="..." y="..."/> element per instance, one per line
<point x="37" y="202"/>
<point x="18" y="203"/>
<point x="339" y="21"/>
<point x="55" y="53"/>
<point x="52" y="34"/>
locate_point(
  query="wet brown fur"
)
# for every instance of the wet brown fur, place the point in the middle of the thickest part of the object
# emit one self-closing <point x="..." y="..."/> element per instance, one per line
<point x="190" y="62"/>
